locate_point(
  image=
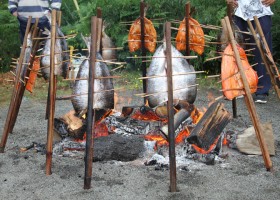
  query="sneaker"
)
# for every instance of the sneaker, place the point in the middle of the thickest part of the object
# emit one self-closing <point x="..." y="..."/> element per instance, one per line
<point x="260" y="98"/>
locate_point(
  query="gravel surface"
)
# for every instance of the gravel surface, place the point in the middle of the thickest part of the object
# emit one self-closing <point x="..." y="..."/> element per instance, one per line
<point x="239" y="176"/>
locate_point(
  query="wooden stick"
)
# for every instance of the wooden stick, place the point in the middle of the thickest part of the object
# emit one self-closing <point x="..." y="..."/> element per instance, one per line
<point x="90" y="121"/>
<point x="114" y="48"/>
<point x="116" y="63"/>
<point x="264" y="57"/>
<point x="103" y="77"/>
<point x="51" y="97"/>
<point x="153" y="94"/>
<point x="171" y="129"/>
<point x="117" y="68"/>
<point x="19" y="78"/>
<point x="143" y="49"/>
<point x="16" y="92"/>
<point x="249" y="101"/>
<point x="157" y="76"/>
<point x="186" y="57"/>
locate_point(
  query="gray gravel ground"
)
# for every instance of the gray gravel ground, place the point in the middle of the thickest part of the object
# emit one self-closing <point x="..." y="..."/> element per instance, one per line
<point x="22" y="175"/>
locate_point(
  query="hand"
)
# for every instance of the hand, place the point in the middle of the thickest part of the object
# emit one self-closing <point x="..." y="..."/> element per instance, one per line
<point x="234" y="3"/>
<point x="268" y="2"/>
<point x="15" y="13"/>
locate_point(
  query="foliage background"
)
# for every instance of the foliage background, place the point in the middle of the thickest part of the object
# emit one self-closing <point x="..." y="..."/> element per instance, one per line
<point x="117" y="11"/>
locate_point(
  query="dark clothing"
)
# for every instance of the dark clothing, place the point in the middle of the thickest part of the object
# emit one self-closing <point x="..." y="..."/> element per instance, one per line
<point x="43" y="23"/>
<point x="264" y="83"/>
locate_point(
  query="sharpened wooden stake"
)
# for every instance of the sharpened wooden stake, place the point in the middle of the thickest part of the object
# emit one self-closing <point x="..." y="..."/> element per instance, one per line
<point x="51" y="97"/>
<point x="17" y="93"/>
<point x="249" y="101"/>
<point x="171" y="130"/>
<point x="90" y="117"/>
<point x="143" y="49"/>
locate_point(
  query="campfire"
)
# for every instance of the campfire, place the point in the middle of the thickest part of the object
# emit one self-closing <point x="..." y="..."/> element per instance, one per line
<point x="197" y="132"/>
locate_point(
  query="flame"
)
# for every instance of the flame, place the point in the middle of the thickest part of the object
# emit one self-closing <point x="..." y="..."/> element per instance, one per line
<point x="160" y="140"/>
<point x="197" y="114"/>
<point x="203" y="151"/>
<point x="225" y="141"/>
<point x="147" y="116"/>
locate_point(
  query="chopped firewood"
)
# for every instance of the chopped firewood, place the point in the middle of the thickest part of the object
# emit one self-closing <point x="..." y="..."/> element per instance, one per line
<point x="208" y="130"/>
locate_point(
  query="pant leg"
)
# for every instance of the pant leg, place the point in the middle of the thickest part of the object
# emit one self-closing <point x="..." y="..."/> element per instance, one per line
<point x="264" y="83"/>
<point x="22" y="29"/>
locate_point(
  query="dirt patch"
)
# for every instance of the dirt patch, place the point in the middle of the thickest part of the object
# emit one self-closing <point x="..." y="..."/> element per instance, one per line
<point x="22" y="175"/>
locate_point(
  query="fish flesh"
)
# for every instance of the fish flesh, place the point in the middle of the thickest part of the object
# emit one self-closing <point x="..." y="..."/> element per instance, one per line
<point x="184" y="86"/>
<point x="61" y="56"/>
<point x="231" y="80"/>
<point x="103" y="88"/>
<point x="196" y="35"/>
<point x="134" y="36"/>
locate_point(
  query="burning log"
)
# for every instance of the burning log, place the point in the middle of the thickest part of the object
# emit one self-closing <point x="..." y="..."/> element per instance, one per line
<point x="184" y="112"/>
<point x="207" y="132"/>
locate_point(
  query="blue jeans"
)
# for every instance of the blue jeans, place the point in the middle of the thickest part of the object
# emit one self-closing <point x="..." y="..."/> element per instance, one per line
<point x="43" y="23"/>
<point x="264" y="83"/>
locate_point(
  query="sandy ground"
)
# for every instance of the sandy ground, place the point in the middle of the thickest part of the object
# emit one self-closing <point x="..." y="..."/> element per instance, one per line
<point x="239" y="176"/>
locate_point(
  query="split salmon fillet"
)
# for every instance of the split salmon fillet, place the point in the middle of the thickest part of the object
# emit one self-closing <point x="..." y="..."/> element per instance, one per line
<point x="33" y="75"/>
<point x="231" y="80"/>
<point x="134" y="36"/>
<point x="197" y="41"/>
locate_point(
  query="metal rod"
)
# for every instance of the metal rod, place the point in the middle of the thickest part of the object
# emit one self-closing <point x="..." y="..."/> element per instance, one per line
<point x="249" y="101"/>
<point x="90" y="121"/>
<point x="16" y="91"/>
<point x="171" y="131"/>
<point x="51" y="96"/>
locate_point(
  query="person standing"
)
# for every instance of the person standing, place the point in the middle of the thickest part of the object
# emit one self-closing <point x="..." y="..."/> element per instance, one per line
<point x="22" y="9"/>
<point x="247" y="9"/>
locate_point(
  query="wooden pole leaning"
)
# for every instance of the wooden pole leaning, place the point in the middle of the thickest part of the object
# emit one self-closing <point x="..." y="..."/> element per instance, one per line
<point x="15" y="94"/>
<point x="51" y="96"/>
<point x="269" y="64"/>
<point x="234" y="102"/>
<point x="21" y="89"/>
<point x="171" y="129"/>
<point x="249" y="101"/>
<point x="90" y="121"/>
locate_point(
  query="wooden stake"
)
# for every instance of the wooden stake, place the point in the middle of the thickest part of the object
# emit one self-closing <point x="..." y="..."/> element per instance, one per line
<point x="143" y="49"/>
<point x="171" y="130"/>
<point x="187" y="16"/>
<point x="249" y="101"/>
<point x="16" y="91"/>
<point x="264" y="58"/>
<point x="90" y="118"/>
<point x="51" y="96"/>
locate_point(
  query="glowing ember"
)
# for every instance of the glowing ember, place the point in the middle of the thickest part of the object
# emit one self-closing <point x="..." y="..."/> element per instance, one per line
<point x="203" y="151"/>
<point x="196" y="115"/>
<point x="147" y="116"/>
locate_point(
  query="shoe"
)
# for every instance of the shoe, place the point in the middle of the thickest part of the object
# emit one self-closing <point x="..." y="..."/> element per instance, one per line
<point x="260" y="98"/>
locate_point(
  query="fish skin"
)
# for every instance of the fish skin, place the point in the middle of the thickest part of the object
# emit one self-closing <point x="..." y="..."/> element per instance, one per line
<point x="60" y="55"/>
<point x="101" y="100"/>
<point x="108" y="54"/>
<point x="26" y="57"/>
<point x="158" y="68"/>
<point x="65" y="53"/>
